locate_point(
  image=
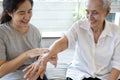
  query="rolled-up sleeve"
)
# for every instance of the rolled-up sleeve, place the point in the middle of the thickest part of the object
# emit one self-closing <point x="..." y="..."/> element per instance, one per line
<point x="72" y="36"/>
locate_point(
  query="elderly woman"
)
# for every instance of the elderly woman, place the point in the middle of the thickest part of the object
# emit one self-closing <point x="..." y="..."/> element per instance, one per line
<point x="97" y="43"/>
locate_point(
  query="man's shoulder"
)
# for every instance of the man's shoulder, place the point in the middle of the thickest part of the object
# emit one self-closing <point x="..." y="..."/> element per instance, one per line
<point x="82" y="21"/>
<point x="113" y="26"/>
<point x="82" y="24"/>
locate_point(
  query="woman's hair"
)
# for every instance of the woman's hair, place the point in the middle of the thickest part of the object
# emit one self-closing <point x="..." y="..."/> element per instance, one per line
<point x="9" y="6"/>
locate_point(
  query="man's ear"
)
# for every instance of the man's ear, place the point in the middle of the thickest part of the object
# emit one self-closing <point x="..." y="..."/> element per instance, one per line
<point x="108" y="11"/>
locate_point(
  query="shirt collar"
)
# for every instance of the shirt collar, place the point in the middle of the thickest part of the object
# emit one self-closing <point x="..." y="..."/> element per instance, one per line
<point x="107" y="29"/>
<point x="106" y="32"/>
<point x="85" y="24"/>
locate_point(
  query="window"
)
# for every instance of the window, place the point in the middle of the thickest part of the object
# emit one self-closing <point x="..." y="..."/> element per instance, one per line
<point x="53" y="15"/>
<point x="56" y="16"/>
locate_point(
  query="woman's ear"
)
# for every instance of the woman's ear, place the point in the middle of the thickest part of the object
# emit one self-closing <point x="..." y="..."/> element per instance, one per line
<point x="10" y="14"/>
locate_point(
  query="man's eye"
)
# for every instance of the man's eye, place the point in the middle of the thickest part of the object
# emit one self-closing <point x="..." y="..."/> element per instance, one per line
<point x="87" y="12"/>
<point x="94" y="13"/>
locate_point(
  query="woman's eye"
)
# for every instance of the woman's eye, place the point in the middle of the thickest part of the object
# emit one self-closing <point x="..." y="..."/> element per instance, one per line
<point x="22" y="13"/>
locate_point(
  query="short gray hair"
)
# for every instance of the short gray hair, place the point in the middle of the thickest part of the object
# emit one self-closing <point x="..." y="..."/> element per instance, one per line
<point x="106" y="4"/>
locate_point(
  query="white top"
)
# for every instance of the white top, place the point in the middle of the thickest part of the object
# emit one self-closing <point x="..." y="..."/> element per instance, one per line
<point x="91" y="59"/>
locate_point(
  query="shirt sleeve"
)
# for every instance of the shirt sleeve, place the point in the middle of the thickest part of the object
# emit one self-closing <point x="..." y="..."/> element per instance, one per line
<point x="72" y="36"/>
<point x="2" y="49"/>
<point x="39" y="39"/>
<point x="116" y="56"/>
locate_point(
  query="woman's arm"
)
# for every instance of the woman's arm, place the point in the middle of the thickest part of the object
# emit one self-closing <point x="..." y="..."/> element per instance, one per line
<point x="9" y="66"/>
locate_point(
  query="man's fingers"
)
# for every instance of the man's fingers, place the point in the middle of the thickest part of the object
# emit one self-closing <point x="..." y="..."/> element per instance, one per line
<point x="40" y="71"/>
<point x="42" y="74"/>
<point x="34" y="71"/>
<point x="36" y="76"/>
<point x="27" y="75"/>
<point x="27" y="68"/>
<point x="54" y="63"/>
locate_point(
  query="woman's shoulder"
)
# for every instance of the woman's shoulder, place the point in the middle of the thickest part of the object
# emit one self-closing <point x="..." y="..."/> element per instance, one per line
<point x="5" y="27"/>
<point x="33" y="27"/>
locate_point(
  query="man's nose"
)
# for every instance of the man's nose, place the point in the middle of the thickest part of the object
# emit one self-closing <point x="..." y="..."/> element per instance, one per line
<point x="89" y="16"/>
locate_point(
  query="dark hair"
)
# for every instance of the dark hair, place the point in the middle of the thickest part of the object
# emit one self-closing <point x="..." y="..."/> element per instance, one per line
<point x="9" y="6"/>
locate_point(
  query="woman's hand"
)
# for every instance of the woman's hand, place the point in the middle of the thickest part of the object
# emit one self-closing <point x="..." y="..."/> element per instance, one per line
<point x="36" y="52"/>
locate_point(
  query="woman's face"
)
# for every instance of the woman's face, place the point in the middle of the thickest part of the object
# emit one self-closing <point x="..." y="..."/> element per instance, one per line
<point x="95" y="13"/>
<point x="22" y="16"/>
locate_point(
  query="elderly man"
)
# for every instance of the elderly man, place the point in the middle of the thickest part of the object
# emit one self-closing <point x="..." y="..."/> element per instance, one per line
<point x="97" y="43"/>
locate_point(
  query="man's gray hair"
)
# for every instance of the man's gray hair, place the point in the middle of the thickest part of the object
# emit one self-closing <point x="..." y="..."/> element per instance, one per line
<point x="106" y="4"/>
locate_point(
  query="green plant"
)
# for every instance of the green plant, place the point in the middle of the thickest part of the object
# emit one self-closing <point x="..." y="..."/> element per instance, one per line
<point x="79" y="12"/>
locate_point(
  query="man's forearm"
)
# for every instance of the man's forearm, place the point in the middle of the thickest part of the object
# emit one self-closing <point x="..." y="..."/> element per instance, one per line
<point x="58" y="46"/>
<point x="114" y="74"/>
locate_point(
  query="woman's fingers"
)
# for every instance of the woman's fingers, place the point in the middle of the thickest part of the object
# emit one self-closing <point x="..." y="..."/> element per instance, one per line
<point x="44" y="50"/>
<point x="38" y="52"/>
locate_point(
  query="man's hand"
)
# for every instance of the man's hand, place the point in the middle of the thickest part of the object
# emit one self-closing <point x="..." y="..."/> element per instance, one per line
<point x="53" y="60"/>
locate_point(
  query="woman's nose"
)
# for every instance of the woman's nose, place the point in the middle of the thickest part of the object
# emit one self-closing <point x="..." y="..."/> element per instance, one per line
<point x="27" y="16"/>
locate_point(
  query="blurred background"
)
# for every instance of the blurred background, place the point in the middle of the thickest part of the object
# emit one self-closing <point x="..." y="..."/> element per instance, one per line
<point x="53" y="18"/>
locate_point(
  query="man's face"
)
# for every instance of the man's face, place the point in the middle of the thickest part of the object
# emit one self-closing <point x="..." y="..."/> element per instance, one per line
<point x="95" y="13"/>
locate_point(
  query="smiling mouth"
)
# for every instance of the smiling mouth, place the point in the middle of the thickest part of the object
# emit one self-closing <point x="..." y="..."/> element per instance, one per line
<point x="25" y="22"/>
<point x="92" y="22"/>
